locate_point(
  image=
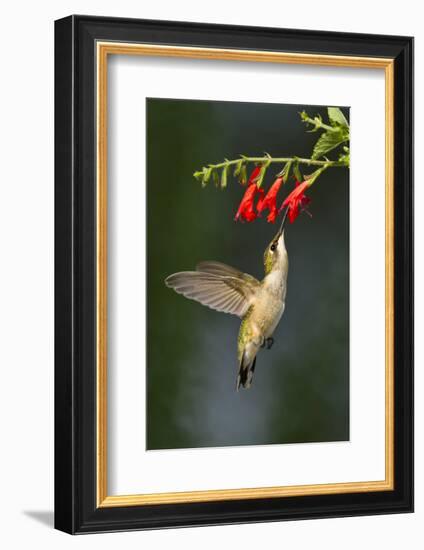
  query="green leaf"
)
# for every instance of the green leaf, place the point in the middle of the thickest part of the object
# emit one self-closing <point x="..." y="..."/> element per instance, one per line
<point x="204" y="175"/>
<point x="296" y="172"/>
<point x="261" y="176"/>
<point x="285" y="172"/>
<point x="337" y="117"/>
<point x="243" y="174"/>
<point x="237" y="169"/>
<point x="224" y="177"/>
<point x="262" y="173"/>
<point x="328" y="141"/>
<point x="345" y="157"/>
<point x="207" y="172"/>
<point x="215" y="177"/>
<point x="198" y="175"/>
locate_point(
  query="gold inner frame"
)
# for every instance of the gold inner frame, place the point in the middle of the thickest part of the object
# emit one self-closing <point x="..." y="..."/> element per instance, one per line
<point x="104" y="49"/>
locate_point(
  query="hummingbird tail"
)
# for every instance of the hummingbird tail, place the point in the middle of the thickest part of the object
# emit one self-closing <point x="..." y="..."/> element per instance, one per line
<point x="245" y="373"/>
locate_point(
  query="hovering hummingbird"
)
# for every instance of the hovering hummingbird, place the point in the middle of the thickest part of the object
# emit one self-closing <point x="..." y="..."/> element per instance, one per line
<point x="260" y="304"/>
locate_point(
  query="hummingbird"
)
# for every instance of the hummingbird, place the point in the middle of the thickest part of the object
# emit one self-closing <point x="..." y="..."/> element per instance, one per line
<point x="260" y="304"/>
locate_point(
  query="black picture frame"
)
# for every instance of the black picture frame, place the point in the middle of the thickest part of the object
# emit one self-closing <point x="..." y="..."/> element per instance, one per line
<point x="76" y="508"/>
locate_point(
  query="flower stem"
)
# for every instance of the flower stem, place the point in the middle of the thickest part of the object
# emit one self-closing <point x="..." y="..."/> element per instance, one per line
<point x="267" y="159"/>
<point x="318" y="123"/>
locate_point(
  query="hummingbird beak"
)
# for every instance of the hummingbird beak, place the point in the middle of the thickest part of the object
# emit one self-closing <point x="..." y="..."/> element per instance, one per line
<point x="280" y="231"/>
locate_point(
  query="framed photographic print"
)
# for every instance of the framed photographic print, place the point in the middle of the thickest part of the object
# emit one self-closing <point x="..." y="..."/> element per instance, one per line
<point x="234" y="274"/>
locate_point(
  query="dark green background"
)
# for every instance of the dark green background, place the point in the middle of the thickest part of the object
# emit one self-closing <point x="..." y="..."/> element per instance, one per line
<point x="300" y="390"/>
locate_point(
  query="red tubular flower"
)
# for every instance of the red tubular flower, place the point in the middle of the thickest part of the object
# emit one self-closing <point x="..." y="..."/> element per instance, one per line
<point x="246" y="209"/>
<point x="296" y="201"/>
<point x="254" y="175"/>
<point x="269" y="201"/>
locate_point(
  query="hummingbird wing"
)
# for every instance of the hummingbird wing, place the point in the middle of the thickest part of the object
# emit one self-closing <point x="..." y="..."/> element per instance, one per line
<point x="218" y="268"/>
<point x="230" y="292"/>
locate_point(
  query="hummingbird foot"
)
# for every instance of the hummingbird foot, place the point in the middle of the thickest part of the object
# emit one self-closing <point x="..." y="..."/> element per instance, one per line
<point x="269" y="343"/>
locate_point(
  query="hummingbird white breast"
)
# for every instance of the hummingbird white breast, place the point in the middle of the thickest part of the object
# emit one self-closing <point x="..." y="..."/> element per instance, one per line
<point x="269" y="304"/>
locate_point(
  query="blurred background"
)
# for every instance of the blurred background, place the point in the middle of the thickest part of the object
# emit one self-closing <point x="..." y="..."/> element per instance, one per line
<point x="300" y="391"/>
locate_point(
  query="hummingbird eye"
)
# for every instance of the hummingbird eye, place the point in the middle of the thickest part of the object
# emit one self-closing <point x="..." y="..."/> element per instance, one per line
<point x="273" y="247"/>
